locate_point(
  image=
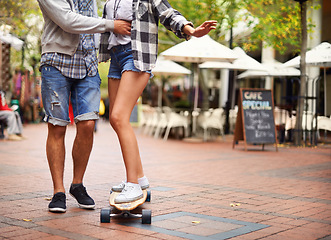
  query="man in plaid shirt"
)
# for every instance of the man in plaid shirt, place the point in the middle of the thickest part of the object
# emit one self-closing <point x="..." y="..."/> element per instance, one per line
<point x="69" y="70"/>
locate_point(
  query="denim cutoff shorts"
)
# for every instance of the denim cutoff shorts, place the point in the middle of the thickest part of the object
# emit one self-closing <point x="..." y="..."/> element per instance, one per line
<point x="121" y="61"/>
<point x="56" y="90"/>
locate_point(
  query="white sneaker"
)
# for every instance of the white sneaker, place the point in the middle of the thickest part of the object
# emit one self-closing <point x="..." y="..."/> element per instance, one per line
<point x="130" y="192"/>
<point x="119" y="187"/>
<point x="143" y="182"/>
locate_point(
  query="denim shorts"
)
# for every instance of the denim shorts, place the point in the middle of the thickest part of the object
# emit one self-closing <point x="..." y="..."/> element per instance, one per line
<point x="56" y="91"/>
<point x="121" y="61"/>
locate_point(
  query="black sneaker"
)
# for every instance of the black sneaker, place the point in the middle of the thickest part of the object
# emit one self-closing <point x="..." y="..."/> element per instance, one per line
<point x="58" y="203"/>
<point x="78" y="191"/>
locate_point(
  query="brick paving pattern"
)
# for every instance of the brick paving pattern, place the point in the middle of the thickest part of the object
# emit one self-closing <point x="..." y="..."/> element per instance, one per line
<point x="199" y="190"/>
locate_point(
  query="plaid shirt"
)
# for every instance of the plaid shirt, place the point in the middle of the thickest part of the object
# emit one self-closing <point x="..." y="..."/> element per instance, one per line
<point x="84" y="61"/>
<point x="144" y="31"/>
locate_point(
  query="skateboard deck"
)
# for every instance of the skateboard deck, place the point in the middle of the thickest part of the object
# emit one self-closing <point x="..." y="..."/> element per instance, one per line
<point x="146" y="214"/>
<point x="126" y="206"/>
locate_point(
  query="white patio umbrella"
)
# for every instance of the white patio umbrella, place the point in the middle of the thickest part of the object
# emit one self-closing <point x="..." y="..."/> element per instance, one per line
<point x="12" y="40"/>
<point x="164" y="68"/>
<point x="243" y="62"/>
<point x="319" y="56"/>
<point x="199" y="50"/>
<point x="272" y="69"/>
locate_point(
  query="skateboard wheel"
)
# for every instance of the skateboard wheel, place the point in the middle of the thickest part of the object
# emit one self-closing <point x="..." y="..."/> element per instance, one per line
<point x="148" y="198"/>
<point x="105" y="215"/>
<point x="146" y="216"/>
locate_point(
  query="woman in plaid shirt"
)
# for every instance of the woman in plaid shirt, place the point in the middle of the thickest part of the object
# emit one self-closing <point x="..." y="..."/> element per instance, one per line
<point x="132" y="59"/>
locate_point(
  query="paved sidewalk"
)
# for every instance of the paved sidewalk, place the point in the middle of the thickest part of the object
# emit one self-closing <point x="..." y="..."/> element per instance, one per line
<point x="199" y="190"/>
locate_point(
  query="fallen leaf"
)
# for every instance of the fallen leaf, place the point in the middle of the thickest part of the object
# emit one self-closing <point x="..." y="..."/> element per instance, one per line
<point x="27" y="220"/>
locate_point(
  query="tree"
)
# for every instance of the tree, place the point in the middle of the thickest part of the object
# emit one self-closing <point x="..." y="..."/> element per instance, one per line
<point x="279" y="25"/>
<point x="303" y="80"/>
<point x="196" y="11"/>
<point x="15" y="13"/>
<point x="24" y="19"/>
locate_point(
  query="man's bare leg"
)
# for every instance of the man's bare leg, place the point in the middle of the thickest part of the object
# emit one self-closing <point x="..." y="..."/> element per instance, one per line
<point x="55" y="150"/>
<point x="80" y="154"/>
<point x="82" y="149"/>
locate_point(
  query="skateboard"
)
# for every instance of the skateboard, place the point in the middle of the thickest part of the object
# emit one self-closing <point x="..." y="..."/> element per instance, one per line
<point x="124" y="209"/>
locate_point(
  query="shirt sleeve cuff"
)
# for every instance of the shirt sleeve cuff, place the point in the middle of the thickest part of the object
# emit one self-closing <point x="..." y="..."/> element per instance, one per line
<point x="109" y="25"/>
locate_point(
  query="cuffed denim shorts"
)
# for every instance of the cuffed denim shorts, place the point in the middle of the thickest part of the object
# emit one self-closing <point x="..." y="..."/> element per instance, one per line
<point x="121" y="61"/>
<point x="56" y="91"/>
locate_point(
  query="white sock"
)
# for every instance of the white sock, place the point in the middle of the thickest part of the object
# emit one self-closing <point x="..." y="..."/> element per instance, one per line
<point x="143" y="180"/>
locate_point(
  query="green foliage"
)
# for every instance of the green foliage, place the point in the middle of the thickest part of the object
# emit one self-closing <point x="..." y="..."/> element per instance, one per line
<point x="15" y="13"/>
<point x="196" y="11"/>
<point x="278" y="21"/>
<point x="24" y="19"/>
<point x="279" y="24"/>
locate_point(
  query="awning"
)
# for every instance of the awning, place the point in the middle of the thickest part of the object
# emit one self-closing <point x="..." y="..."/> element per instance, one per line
<point x="10" y="39"/>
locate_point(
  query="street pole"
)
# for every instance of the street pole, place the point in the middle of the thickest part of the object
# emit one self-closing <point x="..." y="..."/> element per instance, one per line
<point x="303" y="76"/>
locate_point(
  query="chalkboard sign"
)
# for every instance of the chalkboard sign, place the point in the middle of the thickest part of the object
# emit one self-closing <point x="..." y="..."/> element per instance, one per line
<point x="255" y="120"/>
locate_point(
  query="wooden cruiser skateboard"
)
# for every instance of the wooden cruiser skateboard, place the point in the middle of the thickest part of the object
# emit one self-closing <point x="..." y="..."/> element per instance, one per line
<point x="125" y="209"/>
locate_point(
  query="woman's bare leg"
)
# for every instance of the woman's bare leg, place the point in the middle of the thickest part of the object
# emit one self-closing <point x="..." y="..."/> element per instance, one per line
<point x="123" y="95"/>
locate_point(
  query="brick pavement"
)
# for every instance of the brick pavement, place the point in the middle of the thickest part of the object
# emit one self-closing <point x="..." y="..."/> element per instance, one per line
<point x="199" y="190"/>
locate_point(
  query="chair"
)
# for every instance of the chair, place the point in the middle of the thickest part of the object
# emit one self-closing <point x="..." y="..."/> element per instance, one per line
<point x="161" y="125"/>
<point x="156" y="120"/>
<point x="324" y="123"/>
<point x="308" y="123"/>
<point x="175" y="120"/>
<point x="280" y="116"/>
<point x="153" y="122"/>
<point x="148" y="113"/>
<point x="233" y="118"/>
<point x="143" y="116"/>
<point x="212" y="119"/>
<point x="290" y="122"/>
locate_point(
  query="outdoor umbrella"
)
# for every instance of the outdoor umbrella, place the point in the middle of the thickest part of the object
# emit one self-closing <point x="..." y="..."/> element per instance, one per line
<point x="164" y="68"/>
<point x="319" y="56"/>
<point x="272" y="69"/>
<point x="199" y="50"/>
<point x="12" y="40"/>
<point x="243" y="62"/>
